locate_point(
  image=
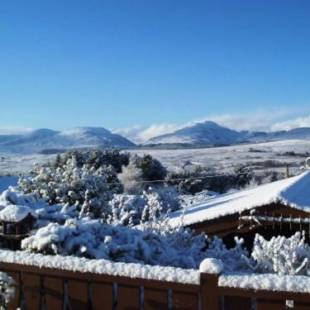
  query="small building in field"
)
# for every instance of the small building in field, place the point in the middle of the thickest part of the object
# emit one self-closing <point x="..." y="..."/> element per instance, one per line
<point x="277" y="208"/>
<point x="16" y="222"/>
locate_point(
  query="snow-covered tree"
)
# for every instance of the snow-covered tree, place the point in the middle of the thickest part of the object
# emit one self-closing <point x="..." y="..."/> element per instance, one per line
<point x="131" y="178"/>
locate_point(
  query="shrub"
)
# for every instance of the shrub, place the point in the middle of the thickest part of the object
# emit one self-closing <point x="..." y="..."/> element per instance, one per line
<point x="85" y="179"/>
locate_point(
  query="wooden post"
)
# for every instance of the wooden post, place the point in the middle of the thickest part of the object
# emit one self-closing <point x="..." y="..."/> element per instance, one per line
<point x="210" y="299"/>
<point x="287" y="171"/>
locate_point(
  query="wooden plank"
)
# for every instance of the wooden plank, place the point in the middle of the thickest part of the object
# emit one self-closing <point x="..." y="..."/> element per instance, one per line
<point x="128" y="297"/>
<point x="102" y="296"/>
<point x="31" y="290"/>
<point x="236" y="303"/>
<point x="265" y="304"/>
<point x="78" y="294"/>
<point x="155" y="299"/>
<point x="185" y="301"/>
<point x="14" y="304"/>
<point x="53" y="290"/>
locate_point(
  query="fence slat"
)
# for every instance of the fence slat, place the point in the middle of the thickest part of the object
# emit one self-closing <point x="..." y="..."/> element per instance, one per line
<point x="78" y="295"/>
<point x="128" y="297"/>
<point x="102" y="296"/>
<point x="155" y="299"/>
<point x="31" y="290"/>
<point x="185" y="301"/>
<point x="264" y="304"/>
<point x="237" y="303"/>
<point x="53" y="290"/>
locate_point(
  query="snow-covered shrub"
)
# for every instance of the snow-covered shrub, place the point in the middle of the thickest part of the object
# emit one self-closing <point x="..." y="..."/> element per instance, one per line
<point x="131" y="178"/>
<point x="156" y="244"/>
<point x="152" y="169"/>
<point x="281" y="255"/>
<point x="83" y="179"/>
<point x="192" y="181"/>
<point x="231" y="258"/>
<point x="126" y="209"/>
<point x="7" y="290"/>
<point x="151" y="206"/>
<point x="93" y="239"/>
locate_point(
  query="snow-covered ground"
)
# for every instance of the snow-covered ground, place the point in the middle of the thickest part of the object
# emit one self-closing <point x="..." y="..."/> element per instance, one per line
<point x="17" y="164"/>
<point x="258" y="156"/>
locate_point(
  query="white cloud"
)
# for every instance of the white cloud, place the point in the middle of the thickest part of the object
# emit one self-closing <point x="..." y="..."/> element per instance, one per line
<point x="293" y="123"/>
<point x="14" y="130"/>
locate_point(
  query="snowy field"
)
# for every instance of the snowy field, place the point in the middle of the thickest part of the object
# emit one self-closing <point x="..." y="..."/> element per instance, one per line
<point x="260" y="156"/>
<point x="17" y="164"/>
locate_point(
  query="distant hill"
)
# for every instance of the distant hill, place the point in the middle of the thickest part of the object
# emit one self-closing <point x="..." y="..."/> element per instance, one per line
<point x="42" y="139"/>
<point x="209" y="134"/>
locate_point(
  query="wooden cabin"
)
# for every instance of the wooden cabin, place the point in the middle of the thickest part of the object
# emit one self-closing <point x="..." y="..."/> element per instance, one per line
<point x="16" y="222"/>
<point x="277" y="208"/>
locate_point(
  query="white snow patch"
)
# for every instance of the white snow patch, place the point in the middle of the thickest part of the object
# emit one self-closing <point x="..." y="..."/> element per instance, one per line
<point x="211" y="265"/>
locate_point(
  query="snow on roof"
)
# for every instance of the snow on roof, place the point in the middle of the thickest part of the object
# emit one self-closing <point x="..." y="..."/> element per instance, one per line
<point x="292" y="191"/>
<point x="102" y="266"/>
<point x="15" y="213"/>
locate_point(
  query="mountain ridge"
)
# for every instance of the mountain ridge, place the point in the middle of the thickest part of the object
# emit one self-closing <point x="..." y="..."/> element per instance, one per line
<point x="210" y="133"/>
<point x="80" y="137"/>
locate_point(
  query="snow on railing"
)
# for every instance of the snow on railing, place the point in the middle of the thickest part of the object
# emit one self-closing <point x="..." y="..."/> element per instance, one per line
<point x="268" y="282"/>
<point x="101" y="266"/>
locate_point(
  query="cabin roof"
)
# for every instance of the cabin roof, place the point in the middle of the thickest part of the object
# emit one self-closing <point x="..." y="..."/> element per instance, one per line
<point x="293" y="192"/>
<point x="15" y="213"/>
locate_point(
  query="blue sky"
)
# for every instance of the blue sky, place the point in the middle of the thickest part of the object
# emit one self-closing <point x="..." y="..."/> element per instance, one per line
<point x="118" y="64"/>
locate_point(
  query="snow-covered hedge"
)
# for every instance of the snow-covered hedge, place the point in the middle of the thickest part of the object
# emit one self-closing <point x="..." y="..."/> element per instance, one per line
<point x="93" y="239"/>
<point x="156" y="245"/>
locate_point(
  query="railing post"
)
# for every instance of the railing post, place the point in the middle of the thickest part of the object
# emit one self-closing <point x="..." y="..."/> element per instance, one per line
<point x="210" y="270"/>
<point x="210" y="299"/>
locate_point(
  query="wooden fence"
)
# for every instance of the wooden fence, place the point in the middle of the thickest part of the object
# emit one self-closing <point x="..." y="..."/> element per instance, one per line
<point x="46" y="288"/>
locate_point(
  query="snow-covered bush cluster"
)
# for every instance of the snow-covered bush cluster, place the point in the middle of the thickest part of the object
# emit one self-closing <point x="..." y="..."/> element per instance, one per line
<point x="140" y="173"/>
<point x="191" y="180"/>
<point x="281" y="255"/>
<point x="88" y="183"/>
<point x="7" y="290"/>
<point x="87" y="180"/>
<point x="154" y="246"/>
<point x="93" y="239"/>
<point x="151" y="206"/>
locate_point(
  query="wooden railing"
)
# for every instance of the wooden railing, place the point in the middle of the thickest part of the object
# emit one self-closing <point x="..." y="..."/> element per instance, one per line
<point x="46" y="288"/>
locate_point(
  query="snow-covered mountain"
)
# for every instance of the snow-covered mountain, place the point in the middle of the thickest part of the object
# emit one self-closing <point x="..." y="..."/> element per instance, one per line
<point x="206" y="133"/>
<point x="210" y="133"/>
<point x="43" y="139"/>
